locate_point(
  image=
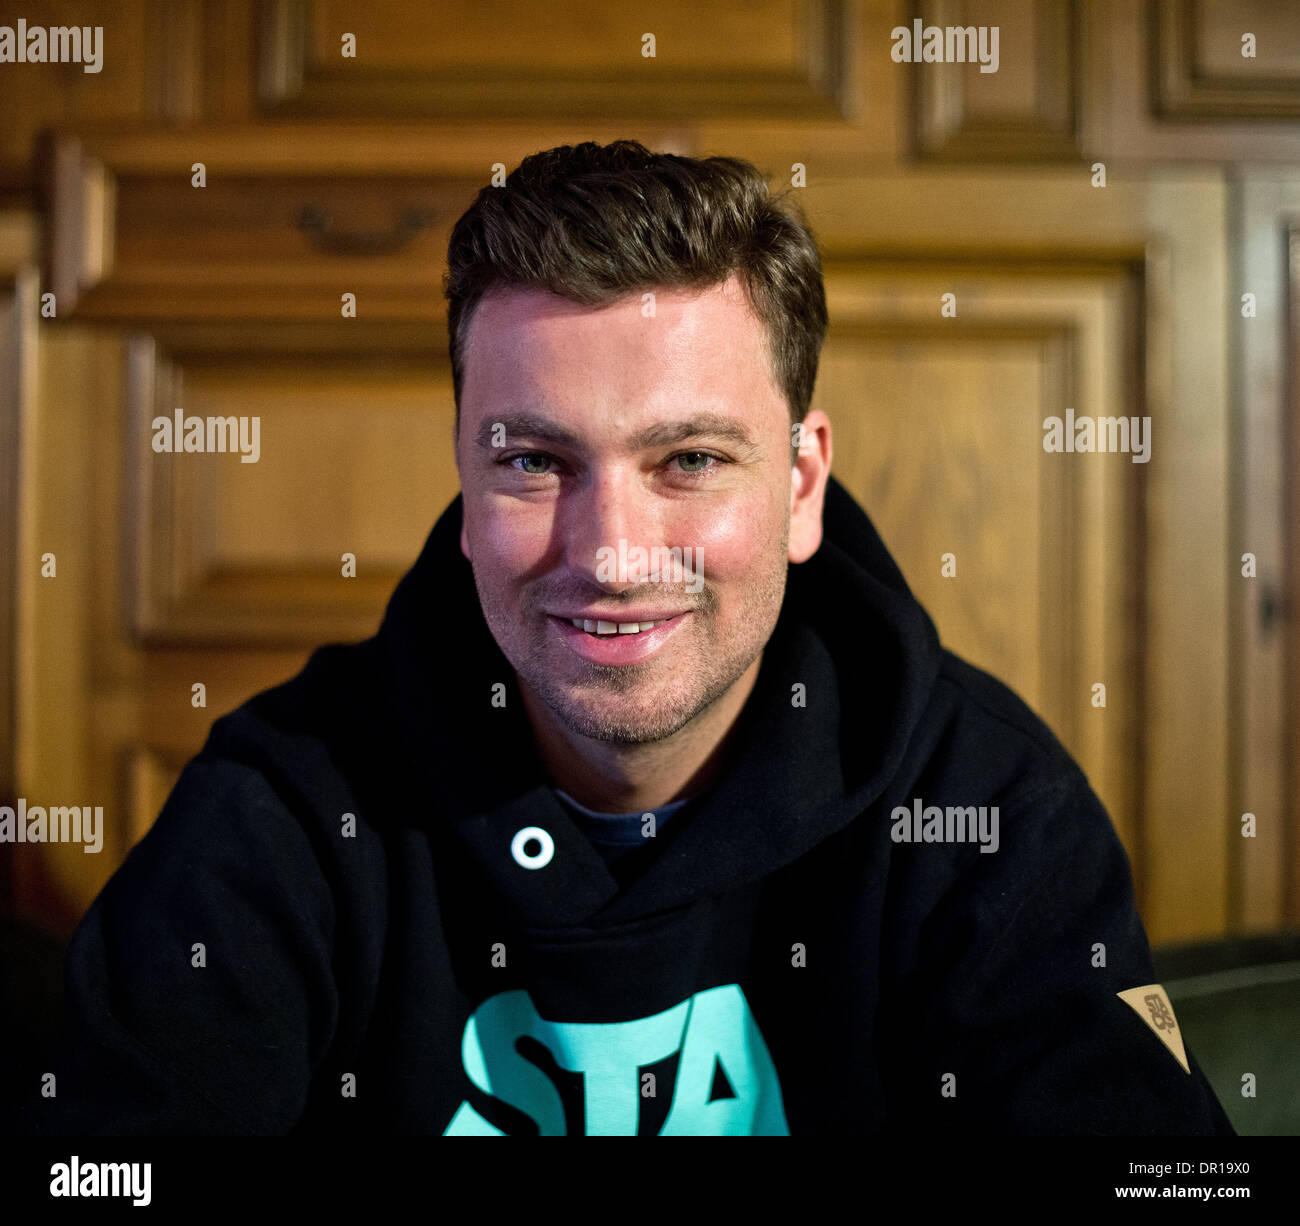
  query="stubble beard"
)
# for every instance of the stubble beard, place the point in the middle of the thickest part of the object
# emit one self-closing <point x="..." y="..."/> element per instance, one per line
<point x="640" y="703"/>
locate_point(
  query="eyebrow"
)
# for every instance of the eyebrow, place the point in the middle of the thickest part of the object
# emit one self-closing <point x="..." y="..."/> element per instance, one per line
<point x="661" y="434"/>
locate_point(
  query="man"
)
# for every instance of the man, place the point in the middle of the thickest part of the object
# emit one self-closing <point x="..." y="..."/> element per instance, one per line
<point x="625" y="820"/>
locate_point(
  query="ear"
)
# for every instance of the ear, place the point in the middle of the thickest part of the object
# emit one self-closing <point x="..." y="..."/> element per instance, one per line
<point x="808" y="478"/>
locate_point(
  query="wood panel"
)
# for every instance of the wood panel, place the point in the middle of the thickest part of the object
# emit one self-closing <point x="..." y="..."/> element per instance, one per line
<point x="1026" y="110"/>
<point x="147" y="68"/>
<point x="269" y="237"/>
<point x="939" y="427"/>
<point x="1173" y="227"/>
<point x="354" y="457"/>
<point x="1119" y="95"/>
<point x="1200" y="69"/>
<point x="55" y="882"/>
<point x="1187" y="652"/>
<point x="1291" y="743"/>
<point x="17" y="369"/>
<point x="569" y="57"/>
<point x="1122" y="296"/>
<point x="1266" y="608"/>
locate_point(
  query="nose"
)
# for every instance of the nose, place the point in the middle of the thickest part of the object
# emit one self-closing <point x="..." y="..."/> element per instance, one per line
<point x="613" y="507"/>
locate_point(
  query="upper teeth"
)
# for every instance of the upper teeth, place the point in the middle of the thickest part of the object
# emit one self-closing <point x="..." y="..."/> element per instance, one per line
<point x="614" y="627"/>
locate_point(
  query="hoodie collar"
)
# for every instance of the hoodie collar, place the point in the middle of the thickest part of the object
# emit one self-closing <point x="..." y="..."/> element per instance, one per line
<point x="802" y="762"/>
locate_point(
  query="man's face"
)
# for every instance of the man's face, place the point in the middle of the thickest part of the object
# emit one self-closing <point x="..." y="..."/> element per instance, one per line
<point x="617" y="429"/>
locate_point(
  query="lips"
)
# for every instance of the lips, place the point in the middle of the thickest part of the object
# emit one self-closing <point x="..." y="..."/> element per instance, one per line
<point x="601" y="627"/>
<point x="615" y="647"/>
<point x="617" y="615"/>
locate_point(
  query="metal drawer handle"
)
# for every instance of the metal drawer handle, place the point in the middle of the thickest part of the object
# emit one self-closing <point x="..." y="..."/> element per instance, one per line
<point x="315" y="222"/>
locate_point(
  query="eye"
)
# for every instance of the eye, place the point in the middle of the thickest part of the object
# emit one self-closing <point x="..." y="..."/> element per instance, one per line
<point x="705" y="456"/>
<point x="697" y="463"/>
<point x="526" y="456"/>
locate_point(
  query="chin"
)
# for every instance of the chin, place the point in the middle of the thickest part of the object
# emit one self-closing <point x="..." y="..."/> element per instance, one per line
<point x="605" y="718"/>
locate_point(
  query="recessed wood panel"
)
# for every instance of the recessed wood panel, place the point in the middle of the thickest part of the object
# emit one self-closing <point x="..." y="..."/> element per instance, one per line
<point x="17" y="341"/>
<point x="148" y="63"/>
<point x="567" y="57"/>
<point x="1203" y="71"/>
<point x="353" y="457"/>
<point x="938" y="429"/>
<point x="288" y="220"/>
<point x="946" y="472"/>
<point x="1022" y="108"/>
<point x="1146" y="101"/>
<point x="280" y="248"/>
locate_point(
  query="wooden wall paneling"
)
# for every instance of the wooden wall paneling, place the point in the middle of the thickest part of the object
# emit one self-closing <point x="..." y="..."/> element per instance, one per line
<point x="870" y="128"/>
<point x="18" y="315"/>
<point x="1200" y="72"/>
<point x="147" y="776"/>
<point x="1291" y="913"/>
<point x="429" y="149"/>
<point x="1118" y="120"/>
<point x="58" y="880"/>
<point x="228" y="69"/>
<point x="939" y="434"/>
<point x="113" y="672"/>
<point x="1265" y="204"/>
<point x="149" y="59"/>
<point x="270" y="237"/>
<point x="1026" y="111"/>
<point x="80" y="218"/>
<point x="174" y="67"/>
<point x="20" y="244"/>
<point x="1171" y="223"/>
<point x="573" y="58"/>
<point x="1187" y="803"/>
<point x="1017" y="217"/>
<point x="240" y="553"/>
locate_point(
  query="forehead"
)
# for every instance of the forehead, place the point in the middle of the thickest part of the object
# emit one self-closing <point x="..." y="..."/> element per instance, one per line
<point x="663" y="341"/>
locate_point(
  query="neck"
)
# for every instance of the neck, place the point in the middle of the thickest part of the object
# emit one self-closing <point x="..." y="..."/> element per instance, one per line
<point x="616" y="778"/>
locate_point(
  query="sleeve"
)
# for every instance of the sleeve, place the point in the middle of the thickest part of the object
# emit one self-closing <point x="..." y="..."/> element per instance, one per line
<point x="1017" y="1019"/>
<point x="198" y="993"/>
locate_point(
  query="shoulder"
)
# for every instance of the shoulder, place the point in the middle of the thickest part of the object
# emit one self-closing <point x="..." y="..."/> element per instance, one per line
<point x="990" y="742"/>
<point x="982" y="750"/>
<point x="283" y="779"/>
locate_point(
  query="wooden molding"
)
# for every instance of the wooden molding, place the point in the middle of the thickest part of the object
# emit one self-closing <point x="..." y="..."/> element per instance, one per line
<point x="80" y="196"/>
<point x="818" y="85"/>
<point x="18" y="306"/>
<point x="1183" y="89"/>
<point x="146" y="775"/>
<point x="1089" y="573"/>
<point x="945" y="130"/>
<point x="179" y="587"/>
<point x="1291" y="619"/>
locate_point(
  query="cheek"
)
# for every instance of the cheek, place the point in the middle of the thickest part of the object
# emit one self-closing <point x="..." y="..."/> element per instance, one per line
<point x="511" y="544"/>
<point x="733" y="542"/>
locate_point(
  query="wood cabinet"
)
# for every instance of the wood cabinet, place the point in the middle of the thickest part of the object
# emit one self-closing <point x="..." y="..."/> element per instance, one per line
<point x="1098" y="207"/>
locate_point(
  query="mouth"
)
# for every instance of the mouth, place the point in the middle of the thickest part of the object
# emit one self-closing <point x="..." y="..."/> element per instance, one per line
<point x="602" y="642"/>
<point x="602" y="629"/>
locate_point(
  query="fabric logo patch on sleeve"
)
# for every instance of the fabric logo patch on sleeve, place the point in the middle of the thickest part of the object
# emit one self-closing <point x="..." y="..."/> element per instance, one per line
<point x="1151" y="1004"/>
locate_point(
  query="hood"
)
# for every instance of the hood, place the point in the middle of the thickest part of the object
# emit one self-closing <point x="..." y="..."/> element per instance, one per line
<point x="850" y="632"/>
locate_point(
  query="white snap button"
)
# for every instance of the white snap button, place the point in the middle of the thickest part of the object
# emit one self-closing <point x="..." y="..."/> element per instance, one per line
<point x="519" y="847"/>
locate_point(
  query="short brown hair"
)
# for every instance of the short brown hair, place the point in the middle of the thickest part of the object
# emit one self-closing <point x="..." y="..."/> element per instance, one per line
<point x="595" y="223"/>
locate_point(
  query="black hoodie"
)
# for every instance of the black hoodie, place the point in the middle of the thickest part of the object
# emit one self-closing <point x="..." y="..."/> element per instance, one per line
<point x="341" y="921"/>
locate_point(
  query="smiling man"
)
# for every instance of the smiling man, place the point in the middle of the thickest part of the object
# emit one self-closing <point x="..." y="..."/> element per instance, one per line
<point x="663" y="431"/>
<point x="655" y="806"/>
